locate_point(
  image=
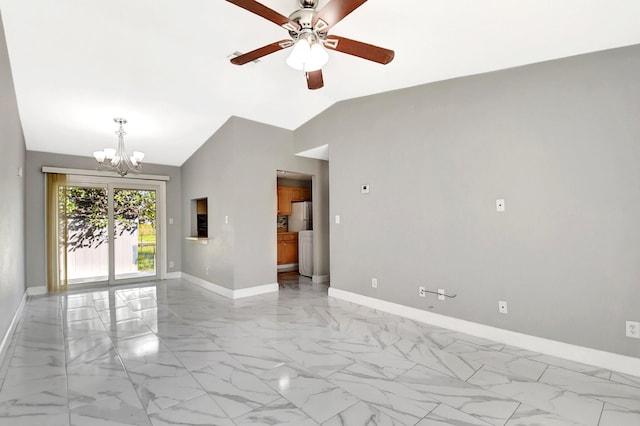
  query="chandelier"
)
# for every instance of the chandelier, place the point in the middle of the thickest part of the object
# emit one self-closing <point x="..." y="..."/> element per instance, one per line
<point x="117" y="160"/>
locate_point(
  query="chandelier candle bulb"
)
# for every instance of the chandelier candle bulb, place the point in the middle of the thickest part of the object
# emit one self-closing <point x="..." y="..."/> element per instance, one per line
<point x="99" y="155"/>
<point x="109" y="153"/>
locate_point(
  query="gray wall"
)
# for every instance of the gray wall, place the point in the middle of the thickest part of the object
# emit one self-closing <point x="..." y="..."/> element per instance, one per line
<point x="236" y="170"/>
<point x="560" y="141"/>
<point x="12" y="191"/>
<point x="35" y="233"/>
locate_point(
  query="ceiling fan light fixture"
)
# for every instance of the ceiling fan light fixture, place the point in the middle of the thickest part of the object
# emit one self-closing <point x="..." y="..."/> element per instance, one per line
<point x="299" y="54"/>
<point x="308" y="55"/>
<point x="318" y="57"/>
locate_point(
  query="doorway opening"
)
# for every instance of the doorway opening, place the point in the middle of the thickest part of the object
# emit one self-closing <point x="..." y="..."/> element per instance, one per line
<point x="294" y="225"/>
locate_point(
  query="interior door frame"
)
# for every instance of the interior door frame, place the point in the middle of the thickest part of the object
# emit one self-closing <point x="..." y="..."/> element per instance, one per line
<point x="112" y="183"/>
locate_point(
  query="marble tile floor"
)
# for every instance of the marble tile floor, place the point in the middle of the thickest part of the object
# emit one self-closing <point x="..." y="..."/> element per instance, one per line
<point x="292" y="279"/>
<point x="171" y="353"/>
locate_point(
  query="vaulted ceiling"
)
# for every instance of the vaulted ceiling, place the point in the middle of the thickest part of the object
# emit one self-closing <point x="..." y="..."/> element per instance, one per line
<point x="164" y="64"/>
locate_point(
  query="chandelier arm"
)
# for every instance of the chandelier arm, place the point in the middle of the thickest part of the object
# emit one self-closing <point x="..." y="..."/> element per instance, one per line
<point x="121" y="162"/>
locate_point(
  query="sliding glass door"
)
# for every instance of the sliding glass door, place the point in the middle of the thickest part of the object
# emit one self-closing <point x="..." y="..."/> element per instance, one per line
<point x="135" y="233"/>
<point x="87" y="238"/>
<point x="112" y="231"/>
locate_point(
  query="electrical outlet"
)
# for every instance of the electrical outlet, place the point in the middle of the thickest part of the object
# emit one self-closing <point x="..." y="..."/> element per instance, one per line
<point x="171" y="264"/>
<point x="364" y="189"/>
<point x="422" y="291"/>
<point x="374" y="282"/>
<point x="206" y="271"/>
<point x="337" y="219"/>
<point x="500" y="206"/>
<point x="633" y="329"/>
<point x="441" y="294"/>
<point x="502" y="307"/>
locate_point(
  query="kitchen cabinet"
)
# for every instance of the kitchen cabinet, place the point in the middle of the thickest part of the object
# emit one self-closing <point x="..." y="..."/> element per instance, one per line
<point x="296" y="194"/>
<point x="300" y="194"/>
<point x="287" y="195"/>
<point x="284" y="201"/>
<point x="287" y="248"/>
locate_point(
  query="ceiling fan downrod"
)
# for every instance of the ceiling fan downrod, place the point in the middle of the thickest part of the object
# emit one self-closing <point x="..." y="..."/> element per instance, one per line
<point x="308" y="4"/>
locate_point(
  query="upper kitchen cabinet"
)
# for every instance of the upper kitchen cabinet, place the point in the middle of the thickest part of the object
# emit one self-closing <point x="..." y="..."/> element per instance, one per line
<point x="284" y="200"/>
<point x="287" y="195"/>
<point x="300" y="194"/>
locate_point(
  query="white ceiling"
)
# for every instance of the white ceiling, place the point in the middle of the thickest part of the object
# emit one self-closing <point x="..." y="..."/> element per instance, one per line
<point x="163" y="64"/>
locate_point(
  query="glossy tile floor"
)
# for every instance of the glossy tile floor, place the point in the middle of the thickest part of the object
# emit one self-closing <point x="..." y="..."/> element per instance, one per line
<point x="171" y="353"/>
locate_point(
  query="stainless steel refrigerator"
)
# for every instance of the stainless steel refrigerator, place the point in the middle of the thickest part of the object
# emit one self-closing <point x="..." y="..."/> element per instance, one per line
<point x="301" y="218"/>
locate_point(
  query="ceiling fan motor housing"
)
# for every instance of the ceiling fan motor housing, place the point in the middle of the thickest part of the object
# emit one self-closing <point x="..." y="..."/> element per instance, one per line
<point x="304" y="18"/>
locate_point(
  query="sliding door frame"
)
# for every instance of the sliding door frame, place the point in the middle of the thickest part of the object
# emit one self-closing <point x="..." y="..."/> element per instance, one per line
<point x="112" y="183"/>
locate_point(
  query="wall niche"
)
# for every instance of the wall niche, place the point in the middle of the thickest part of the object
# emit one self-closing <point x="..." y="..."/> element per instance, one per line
<point x="199" y="219"/>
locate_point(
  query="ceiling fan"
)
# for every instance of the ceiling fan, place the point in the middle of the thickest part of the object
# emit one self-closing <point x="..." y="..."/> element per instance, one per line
<point x="308" y="30"/>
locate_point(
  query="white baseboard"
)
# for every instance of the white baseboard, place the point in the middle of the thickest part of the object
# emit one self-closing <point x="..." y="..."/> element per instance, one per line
<point x="223" y="291"/>
<point x="255" y="291"/>
<point x="173" y="275"/>
<point x="288" y="267"/>
<point x="319" y="279"/>
<point x="12" y="327"/>
<point x="584" y="355"/>
<point x="231" y="294"/>
<point x="37" y="291"/>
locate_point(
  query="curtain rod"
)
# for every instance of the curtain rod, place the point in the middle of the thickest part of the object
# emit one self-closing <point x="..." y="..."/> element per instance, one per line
<point x="80" y="172"/>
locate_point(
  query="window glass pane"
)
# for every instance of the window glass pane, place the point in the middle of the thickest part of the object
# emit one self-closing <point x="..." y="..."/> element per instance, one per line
<point x="135" y="233"/>
<point x="87" y="234"/>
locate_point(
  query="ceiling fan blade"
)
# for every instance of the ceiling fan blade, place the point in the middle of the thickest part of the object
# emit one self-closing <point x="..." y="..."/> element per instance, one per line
<point x="263" y="51"/>
<point x="334" y="12"/>
<point x="359" y="49"/>
<point x="268" y="14"/>
<point x="314" y="80"/>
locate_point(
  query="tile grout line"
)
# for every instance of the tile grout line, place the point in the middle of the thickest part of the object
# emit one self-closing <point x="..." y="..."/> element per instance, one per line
<point x="476" y="372"/>
<point x="64" y="349"/>
<point x="601" y="413"/>
<point x="514" y="413"/>
<point x="542" y="374"/>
